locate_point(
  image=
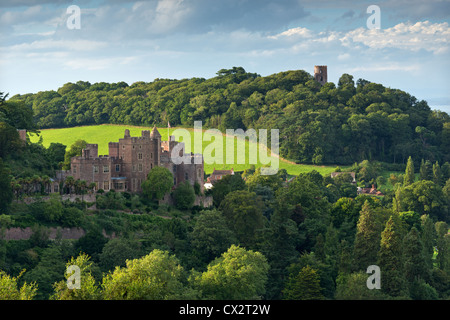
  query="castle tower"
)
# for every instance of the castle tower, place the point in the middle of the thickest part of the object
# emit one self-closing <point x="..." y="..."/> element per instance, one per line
<point x="320" y="74"/>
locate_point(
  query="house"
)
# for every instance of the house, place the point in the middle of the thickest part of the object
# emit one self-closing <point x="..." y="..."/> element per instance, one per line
<point x="217" y="175"/>
<point x="370" y="191"/>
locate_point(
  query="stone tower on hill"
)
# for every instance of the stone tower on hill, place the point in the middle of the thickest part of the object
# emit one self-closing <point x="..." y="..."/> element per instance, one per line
<point x="320" y="74"/>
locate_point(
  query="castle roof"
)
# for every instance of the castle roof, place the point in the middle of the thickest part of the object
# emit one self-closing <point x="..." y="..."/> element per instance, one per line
<point x="155" y="132"/>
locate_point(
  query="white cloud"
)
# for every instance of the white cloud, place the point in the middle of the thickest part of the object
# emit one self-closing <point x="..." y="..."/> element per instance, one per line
<point x="432" y="37"/>
<point x="298" y="32"/>
<point x="50" y="44"/>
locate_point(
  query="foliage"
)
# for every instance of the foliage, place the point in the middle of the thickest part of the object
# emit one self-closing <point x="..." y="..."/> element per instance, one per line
<point x="74" y="150"/>
<point x="331" y="124"/>
<point x="184" y="196"/>
<point x="88" y="288"/>
<point x="159" y="182"/>
<point x="304" y="286"/>
<point x="156" y="276"/>
<point x="210" y="236"/>
<point x="237" y="275"/>
<point x="9" y="288"/>
<point x="243" y="213"/>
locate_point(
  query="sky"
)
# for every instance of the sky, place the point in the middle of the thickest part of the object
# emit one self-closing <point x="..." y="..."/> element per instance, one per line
<point x="43" y="45"/>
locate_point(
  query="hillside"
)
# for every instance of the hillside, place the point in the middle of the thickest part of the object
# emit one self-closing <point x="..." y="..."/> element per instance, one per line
<point x="102" y="134"/>
<point x="342" y="123"/>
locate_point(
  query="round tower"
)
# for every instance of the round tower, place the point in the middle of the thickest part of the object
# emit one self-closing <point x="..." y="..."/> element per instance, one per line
<point x="320" y="74"/>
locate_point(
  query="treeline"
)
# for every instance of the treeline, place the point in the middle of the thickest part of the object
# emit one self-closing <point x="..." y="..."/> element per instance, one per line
<point x="311" y="237"/>
<point x="341" y="123"/>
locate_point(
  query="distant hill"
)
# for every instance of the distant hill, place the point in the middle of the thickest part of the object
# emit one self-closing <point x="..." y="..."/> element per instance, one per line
<point x="340" y="123"/>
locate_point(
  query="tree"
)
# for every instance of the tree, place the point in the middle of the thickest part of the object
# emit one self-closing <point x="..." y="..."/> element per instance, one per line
<point x="88" y="288"/>
<point x="156" y="276"/>
<point x="243" y="211"/>
<point x="91" y="243"/>
<point x="159" y="182"/>
<point x="9" y="140"/>
<point x="304" y="286"/>
<point x="354" y="287"/>
<point x="49" y="270"/>
<point x="9" y="288"/>
<point x="184" y="196"/>
<point x="224" y="186"/>
<point x="409" y="177"/>
<point x="6" y="192"/>
<point x="428" y="238"/>
<point x="390" y="260"/>
<point x="423" y="197"/>
<point x="56" y="153"/>
<point x="443" y="246"/>
<point x="74" y="150"/>
<point x="415" y="265"/>
<point x="425" y="172"/>
<point x="367" y="239"/>
<point x="437" y="175"/>
<point x="117" y="251"/>
<point x="238" y="274"/>
<point x="210" y="236"/>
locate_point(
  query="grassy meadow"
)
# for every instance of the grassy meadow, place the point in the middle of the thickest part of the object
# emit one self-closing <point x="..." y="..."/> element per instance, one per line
<point x="102" y="134"/>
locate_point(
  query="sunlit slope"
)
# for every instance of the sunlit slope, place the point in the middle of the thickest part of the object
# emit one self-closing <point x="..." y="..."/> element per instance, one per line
<point x="102" y="134"/>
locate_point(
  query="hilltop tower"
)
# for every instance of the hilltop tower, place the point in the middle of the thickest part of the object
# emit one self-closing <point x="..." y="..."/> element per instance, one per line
<point x="320" y="74"/>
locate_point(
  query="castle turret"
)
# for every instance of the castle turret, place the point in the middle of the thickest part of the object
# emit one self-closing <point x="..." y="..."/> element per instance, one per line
<point x="321" y="74"/>
<point x="155" y="133"/>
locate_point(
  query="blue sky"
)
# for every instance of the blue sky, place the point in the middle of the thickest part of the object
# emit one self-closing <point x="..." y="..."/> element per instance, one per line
<point x="122" y="40"/>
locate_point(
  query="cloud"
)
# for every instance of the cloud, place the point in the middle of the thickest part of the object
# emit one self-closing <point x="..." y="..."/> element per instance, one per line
<point x="432" y="37"/>
<point x="298" y="32"/>
<point x="49" y="44"/>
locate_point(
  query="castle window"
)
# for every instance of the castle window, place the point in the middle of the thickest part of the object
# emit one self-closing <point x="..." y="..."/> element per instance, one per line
<point x="105" y="169"/>
<point x="140" y="147"/>
<point x="186" y="176"/>
<point x="95" y="169"/>
<point x="74" y="169"/>
<point x="140" y="156"/>
<point x="117" y="167"/>
<point x="106" y="185"/>
<point x="133" y="146"/>
<point x="140" y="167"/>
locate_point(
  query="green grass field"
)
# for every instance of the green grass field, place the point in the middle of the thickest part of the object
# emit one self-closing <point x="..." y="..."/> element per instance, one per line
<point x="102" y="134"/>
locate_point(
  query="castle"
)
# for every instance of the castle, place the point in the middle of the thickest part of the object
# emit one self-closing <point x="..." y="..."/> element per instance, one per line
<point x="130" y="160"/>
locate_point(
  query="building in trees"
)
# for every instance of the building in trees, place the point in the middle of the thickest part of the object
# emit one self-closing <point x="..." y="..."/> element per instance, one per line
<point x="321" y="74"/>
<point x="130" y="160"/>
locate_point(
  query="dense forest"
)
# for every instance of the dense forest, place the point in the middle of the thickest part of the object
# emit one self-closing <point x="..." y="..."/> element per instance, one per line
<point x="339" y="123"/>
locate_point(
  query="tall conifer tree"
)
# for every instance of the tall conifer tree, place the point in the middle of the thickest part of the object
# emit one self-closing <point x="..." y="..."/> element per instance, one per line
<point x="390" y="260"/>
<point x="409" y="177"/>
